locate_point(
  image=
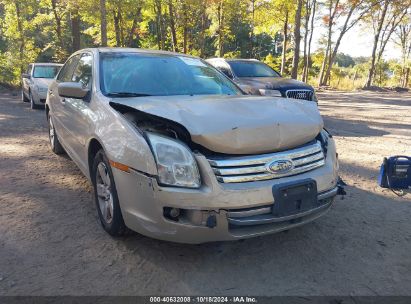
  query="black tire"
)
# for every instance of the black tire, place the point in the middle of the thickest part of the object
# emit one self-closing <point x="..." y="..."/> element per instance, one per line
<point x="33" y="106"/>
<point x="23" y="97"/>
<point x="112" y="223"/>
<point x="55" y="145"/>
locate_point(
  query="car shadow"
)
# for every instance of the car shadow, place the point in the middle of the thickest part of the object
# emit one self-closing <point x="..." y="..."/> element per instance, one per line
<point x="342" y="127"/>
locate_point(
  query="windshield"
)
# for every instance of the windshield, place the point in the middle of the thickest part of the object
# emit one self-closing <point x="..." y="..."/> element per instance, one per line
<point x="43" y="71"/>
<point x="252" y="69"/>
<point x="139" y="74"/>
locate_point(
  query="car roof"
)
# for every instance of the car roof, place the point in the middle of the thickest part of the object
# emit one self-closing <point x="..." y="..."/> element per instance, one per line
<point x="133" y="50"/>
<point x="46" y="64"/>
<point x="241" y="59"/>
<point x="233" y="59"/>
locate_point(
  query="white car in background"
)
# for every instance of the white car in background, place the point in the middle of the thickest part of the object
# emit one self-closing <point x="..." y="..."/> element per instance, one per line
<point x="35" y="82"/>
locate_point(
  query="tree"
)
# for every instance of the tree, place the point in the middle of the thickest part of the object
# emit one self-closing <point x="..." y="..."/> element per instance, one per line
<point x="311" y="7"/>
<point x="350" y="8"/>
<point x="75" y="26"/>
<point x="172" y="25"/>
<point x="403" y="40"/>
<point x="328" y="19"/>
<point x="269" y="30"/>
<point x="297" y="39"/>
<point x="103" y="22"/>
<point x="379" y="19"/>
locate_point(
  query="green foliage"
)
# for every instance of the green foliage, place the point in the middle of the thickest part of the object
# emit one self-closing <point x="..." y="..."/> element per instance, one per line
<point x="44" y="31"/>
<point x="344" y="60"/>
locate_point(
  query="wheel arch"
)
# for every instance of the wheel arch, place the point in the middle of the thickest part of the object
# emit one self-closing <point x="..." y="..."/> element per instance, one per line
<point x="93" y="147"/>
<point x="47" y="111"/>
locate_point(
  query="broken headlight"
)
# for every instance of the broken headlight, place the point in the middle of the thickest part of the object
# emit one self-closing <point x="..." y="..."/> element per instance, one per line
<point x="324" y="137"/>
<point x="175" y="163"/>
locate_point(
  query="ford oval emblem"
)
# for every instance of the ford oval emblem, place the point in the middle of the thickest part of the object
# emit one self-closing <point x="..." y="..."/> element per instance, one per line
<point x="280" y="166"/>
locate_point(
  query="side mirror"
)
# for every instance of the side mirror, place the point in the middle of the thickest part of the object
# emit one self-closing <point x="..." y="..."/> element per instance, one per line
<point x="72" y="90"/>
<point x="229" y="75"/>
<point x="24" y="75"/>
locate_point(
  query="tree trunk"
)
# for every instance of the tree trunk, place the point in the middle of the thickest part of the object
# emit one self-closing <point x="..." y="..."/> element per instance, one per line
<point x="203" y="29"/>
<point x="75" y="29"/>
<point x="297" y="39"/>
<point x="160" y="24"/>
<point x="116" y="18"/>
<point x="185" y="29"/>
<point x="136" y="19"/>
<point x="308" y="63"/>
<point x="158" y="35"/>
<point x="172" y="25"/>
<point x="333" y="55"/>
<point x="221" y="28"/>
<point x="57" y="18"/>
<point x="332" y="13"/>
<point x="374" y="48"/>
<point x="323" y="66"/>
<point x="252" y="28"/>
<point x="384" y="42"/>
<point x="306" y="25"/>
<point x="21" y="35"/>
<point x="284" y="51"/>
<point x="103" y="22"/>
<point x="407" y="77"/>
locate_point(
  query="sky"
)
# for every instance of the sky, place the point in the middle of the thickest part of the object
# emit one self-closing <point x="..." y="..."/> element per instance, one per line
<point x="358" y="41"/>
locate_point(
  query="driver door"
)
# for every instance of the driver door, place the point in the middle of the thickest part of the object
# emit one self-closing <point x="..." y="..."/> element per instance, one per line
<point x="78" y="115"/>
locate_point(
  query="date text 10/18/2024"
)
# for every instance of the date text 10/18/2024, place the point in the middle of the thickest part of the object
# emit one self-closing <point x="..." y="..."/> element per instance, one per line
<point x="204" y="299"/>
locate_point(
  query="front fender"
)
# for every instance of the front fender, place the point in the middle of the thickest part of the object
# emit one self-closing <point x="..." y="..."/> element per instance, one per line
<point x="121" y="141"/>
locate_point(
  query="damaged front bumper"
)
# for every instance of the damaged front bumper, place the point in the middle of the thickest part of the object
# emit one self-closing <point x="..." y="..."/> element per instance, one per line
<point x="217" y="211"/>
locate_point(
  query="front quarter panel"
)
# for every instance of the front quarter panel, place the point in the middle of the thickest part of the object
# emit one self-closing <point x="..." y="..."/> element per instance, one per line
<point x="121" y="141"/>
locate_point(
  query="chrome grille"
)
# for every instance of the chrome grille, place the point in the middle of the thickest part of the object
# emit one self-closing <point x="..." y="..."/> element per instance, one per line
<point x="256" y="167"/>
<point x="300" y="94"/>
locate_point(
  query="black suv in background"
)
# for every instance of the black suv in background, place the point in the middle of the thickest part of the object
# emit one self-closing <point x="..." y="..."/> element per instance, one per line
<point x="257" y="78"/>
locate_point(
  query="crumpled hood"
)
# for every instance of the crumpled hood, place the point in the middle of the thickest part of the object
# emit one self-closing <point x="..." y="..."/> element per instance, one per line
<point x="43" y="82"/>
<point x="278" y="83"/>
<point x="237" y="124"/>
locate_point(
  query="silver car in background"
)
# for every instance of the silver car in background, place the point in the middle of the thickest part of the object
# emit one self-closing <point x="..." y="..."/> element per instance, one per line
<point x="176" y="151"/>
<point x="35" y="82"/>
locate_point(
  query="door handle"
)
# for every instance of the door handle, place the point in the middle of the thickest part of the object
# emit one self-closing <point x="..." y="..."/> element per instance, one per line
<point x="63" y="100"/>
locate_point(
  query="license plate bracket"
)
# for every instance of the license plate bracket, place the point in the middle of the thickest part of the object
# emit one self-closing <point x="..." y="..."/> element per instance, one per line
<point x="294" y="197"/>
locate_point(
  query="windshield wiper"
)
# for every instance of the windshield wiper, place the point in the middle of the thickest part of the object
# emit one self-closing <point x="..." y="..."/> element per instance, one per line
<point x="126" y="94"/>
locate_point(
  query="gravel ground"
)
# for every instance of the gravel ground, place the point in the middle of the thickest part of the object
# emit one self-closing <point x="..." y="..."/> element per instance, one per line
<point x="51" y="242"/>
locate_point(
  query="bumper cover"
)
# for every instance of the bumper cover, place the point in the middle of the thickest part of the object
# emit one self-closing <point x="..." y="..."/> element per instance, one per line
<point x="236" y="210"/>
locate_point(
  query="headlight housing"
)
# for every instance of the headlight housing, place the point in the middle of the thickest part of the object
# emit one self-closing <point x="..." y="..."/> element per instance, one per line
<point x="324" y="136"/>
<point x="176" y="165"/>
<point x="272" y="93"/>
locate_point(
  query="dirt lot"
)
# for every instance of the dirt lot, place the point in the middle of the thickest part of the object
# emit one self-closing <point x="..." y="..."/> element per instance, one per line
<point x="52" y="244"/>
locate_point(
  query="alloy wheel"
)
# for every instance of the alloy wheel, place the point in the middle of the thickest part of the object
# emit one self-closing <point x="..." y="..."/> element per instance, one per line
<point x="51" y="132"/>
<point x="31" y="101"/>
<point x="104" y="195"/>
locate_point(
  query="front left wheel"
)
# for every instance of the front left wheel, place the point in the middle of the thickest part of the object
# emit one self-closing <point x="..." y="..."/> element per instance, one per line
<point x="33" y="106"/>
<point x="105" y="196"/>
<point x="23" y="96"/>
